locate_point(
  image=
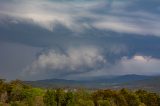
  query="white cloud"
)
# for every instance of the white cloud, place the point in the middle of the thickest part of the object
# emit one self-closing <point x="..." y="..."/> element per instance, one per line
<point x="140" y="65"/>
<point x="78" y="16"/>
<point x="117" y="26"/>
<point x="129" y="25"/>
<point x="119" y="19"/>
<point x="73" y="60"/>
<point x="83" y="62"/>
<point x="48" y="13"/>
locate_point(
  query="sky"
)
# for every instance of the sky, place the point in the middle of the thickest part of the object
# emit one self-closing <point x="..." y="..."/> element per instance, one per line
<point x="78" y="39"/>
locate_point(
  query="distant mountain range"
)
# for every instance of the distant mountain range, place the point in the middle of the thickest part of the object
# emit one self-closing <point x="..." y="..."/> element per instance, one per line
<point x="115" y="82"/>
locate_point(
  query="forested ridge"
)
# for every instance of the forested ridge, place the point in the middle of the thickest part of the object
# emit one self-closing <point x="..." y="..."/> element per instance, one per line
<point x="16" y="93"/>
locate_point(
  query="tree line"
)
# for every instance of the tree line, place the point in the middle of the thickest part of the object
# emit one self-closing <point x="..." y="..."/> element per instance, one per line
<point x="16" y="93"/>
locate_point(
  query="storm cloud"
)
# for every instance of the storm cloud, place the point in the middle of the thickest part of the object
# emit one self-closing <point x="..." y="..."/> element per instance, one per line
<point x="75" y="60"/>
<point x="111" y="15"/>
<point x="79" y="38"/>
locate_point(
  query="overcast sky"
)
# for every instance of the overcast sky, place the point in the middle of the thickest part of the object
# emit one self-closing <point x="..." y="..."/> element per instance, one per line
<point x="75" y="39"/>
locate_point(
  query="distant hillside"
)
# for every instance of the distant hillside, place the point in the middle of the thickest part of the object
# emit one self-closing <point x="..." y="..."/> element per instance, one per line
<point x="116" y="82"/>
<point x="152" y="83"/>
<point x="121" y="79"/>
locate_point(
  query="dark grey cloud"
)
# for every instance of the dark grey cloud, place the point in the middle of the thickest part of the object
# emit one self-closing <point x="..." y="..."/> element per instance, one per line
<point x="79" y="38"/>
<point x="115" y="15"/>
<point x="14" y="57"/>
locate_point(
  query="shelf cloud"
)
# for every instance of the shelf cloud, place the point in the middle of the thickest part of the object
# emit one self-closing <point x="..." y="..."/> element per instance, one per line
<point x="78" y="38"/>
<point x="73" y="60"/>
<point x="80" y="15"/>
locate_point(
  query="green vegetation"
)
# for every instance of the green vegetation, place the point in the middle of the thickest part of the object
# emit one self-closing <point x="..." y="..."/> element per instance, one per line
<point x="16" y="93"/>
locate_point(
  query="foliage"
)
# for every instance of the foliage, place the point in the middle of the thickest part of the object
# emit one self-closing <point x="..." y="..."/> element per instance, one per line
<point x="16" y="93"/>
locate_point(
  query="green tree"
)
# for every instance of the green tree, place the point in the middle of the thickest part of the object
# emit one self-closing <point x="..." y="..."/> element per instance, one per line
<point x="82" y="102"/>
<point x="59" y="96"/>
<point x="49" y="98"/>
<point x="2" y="86"/>
<point x="104" y="103"/>
<point x="3" y="93"/>
<point x="68" y="99"/>
<point x="148" y="98"/>
<point x="131" y="98"/>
